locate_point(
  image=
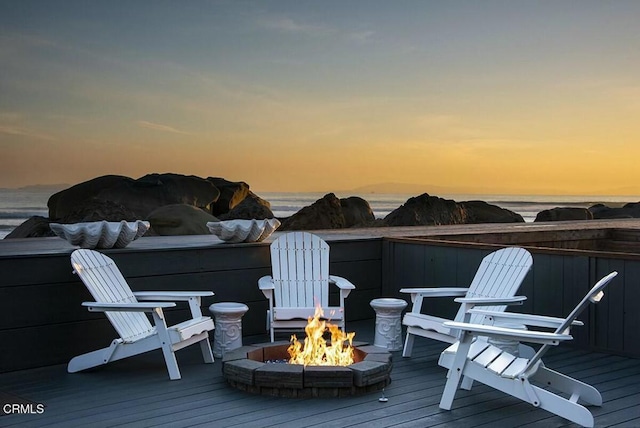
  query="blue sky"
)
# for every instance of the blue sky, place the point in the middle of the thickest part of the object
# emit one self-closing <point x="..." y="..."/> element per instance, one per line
<point x="476" y="96"/>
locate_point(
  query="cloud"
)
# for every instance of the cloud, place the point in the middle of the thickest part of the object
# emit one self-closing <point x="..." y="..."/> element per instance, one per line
<point x="24" y="132"/>
<point x="11" y="124"/>
<point x="361" y="36"/>
<point x="288" y="25"/>
<point x="13" y="44"/>
<point x="284" y="24"/>
<point x="160" y="127"/>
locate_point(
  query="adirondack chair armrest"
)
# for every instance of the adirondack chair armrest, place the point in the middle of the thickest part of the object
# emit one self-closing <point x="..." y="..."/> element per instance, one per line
<point x="491" y="301"/>
<point x="194" y="298"/>
<point x="170" y="296"/>
<point x="418" y="294"/>
<point x="342" y="283"/>
<point x="126" y="307"/>
<point x="526" y="319"/>
<point x="520" y="335"/>
<point x="436" y="291"/>
<point x="266" y="283"/>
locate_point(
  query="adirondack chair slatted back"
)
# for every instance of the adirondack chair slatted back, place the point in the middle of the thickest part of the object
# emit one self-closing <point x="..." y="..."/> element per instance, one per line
<point x="499" y="275"/>
<point x="593" y="296"/>
<point x="106" y="284"/>
<point x="300" y="270"/>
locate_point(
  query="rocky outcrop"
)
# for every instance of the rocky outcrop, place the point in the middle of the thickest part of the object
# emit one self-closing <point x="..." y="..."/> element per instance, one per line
<point x="98" y="210"/>
<point x="60" y="204"/>
<point x="630" y="210"/>
<point x="140" y="196"/>
<point x="180" y="219"/>
<point x="330" y="212"/>
<point x="252" y="206"/>
<point x="116" y="198"/>
<point x="564" y="214"/>
<point x="85" y="211"/>
<point x="34" y="227"/>
<point x="483" y="212"/>
<point x="356" y="212"/>
<point x="325" y="213"/>
<point x="152" y="191"/>
<point x="232" y="193"/>
<point x="425" y="210"/>
<point x="179" y="205"/>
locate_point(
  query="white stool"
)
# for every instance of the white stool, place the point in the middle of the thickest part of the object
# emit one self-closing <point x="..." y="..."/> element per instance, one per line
<point x="388" y="325"/>
<point x="511" y="346"/>
<point x="228" y="322"/>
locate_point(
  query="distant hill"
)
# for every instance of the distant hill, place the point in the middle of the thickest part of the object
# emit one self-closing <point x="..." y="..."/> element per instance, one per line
<point x="53" y="188"/>
<point x="410" y="189"/>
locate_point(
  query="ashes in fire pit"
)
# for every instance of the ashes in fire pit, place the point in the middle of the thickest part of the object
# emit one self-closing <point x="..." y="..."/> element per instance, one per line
<point x="248" y="369"/>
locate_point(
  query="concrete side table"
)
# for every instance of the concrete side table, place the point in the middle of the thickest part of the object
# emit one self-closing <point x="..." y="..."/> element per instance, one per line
<point x="509" y="345"/>
<point x="228" y="322"/>
<point x="388" y="323"/>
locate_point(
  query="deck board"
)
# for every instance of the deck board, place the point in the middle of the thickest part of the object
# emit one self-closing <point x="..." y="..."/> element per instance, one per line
<point x="137" y="392"/>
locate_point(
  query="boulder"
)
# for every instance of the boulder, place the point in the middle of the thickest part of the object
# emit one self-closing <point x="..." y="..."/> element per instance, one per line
<point x="325" y="213"/>
<point x="252" y="206"/>
<point x="34" y="227"/>
<point x="65" y="201"/>
<point x="356" y="211"/>
<point x="633" y="208"/>
<point x="98" y="210"/>
<point x="140" y="196"/>
<point x="483" y="212"/>
<point x="564" y="214"/>
<point x="180" y="219"/>
<point x="152" y="191"/>
<point x="231" y="194"/>
<point x="629" y="210"/>
<point x="425" y="210"/>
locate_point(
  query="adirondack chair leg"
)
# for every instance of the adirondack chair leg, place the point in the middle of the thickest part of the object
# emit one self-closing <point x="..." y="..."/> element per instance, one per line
<point x="467" y="383"/>
<point x="578" y="390"/>
<point x="408" y="345"/>
<point x="166" y="345"/>
<point x="270" y="325"/>
<point x="205" y="347"/>
<point x="93" y="359"/>
<point x="455" y="372"/>
<point x="172" y="363"/>
<point x="564" y="408"/>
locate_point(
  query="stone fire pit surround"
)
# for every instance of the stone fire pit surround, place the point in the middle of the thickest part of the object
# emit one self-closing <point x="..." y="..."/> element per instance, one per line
<point x="245" y="369"/>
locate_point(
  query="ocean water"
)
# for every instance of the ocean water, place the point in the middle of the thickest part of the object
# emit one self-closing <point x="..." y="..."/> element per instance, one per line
<point x="17" y="205"/>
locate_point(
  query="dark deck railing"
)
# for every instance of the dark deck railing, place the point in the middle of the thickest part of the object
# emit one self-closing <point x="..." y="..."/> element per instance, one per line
<point x="43" y="322"/>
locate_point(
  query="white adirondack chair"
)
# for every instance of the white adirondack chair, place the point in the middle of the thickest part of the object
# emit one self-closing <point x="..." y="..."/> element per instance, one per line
<point x="300" y="283"/>
<point x="475" y="358"/>
<point x="126" y="313"/>
<point x="494" y="286"/>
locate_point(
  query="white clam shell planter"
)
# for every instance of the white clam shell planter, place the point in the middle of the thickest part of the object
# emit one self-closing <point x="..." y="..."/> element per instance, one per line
<point x="101" y="234"/>
<point x="234" y="231"/>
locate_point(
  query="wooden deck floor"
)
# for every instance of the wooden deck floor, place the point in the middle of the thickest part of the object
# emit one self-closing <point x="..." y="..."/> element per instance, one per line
<point x="137" y="392"/>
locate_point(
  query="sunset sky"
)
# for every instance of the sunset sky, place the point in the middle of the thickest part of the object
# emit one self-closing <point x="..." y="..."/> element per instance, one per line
<point x="472" y="96"/>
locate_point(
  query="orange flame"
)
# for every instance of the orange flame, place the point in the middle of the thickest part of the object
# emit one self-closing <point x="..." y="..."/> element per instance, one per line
<point x="316" y="352"/>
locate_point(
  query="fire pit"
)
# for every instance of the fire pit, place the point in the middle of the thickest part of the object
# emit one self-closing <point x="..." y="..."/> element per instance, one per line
<point x="260" y="369"/>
